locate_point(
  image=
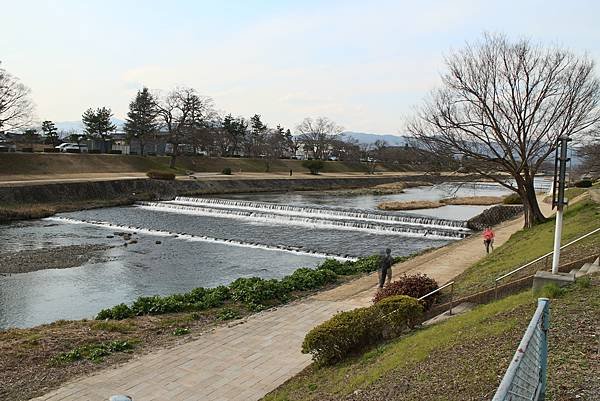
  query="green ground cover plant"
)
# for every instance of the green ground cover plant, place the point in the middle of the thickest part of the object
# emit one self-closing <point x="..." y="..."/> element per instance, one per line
<point x="253" y="293"/>
<point x="94" y="352"/>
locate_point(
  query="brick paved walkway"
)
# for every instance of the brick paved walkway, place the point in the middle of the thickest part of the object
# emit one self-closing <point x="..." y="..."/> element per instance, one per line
<point x="246" y="361"/>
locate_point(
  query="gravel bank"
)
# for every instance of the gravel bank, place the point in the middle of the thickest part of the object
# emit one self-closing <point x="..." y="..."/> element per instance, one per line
<point x="62" y="257"/>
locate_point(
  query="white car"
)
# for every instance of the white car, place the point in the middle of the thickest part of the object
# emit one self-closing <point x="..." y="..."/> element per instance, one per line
<point x="64" y="147"/>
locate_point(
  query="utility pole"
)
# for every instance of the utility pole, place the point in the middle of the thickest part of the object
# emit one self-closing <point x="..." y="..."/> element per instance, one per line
<point x="558" y="195"/>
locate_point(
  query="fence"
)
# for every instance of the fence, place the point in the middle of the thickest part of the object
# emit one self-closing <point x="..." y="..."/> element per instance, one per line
<point x="525" y="378"/>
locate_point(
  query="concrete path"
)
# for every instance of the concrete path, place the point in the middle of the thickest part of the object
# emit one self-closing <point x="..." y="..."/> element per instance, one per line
<point x="246" y="361"/>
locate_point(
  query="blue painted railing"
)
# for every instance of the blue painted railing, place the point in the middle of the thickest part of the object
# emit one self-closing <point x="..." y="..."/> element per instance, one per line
<point x="525" y="378"/>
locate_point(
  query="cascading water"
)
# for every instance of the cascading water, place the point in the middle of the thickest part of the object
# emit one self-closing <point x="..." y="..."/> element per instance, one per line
<point x="198" y="238"/>
<point x="356" y="220"/>
<point x="323" y="211"/>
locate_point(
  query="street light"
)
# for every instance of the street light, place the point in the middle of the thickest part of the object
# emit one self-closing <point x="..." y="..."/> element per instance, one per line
<point x="558" y="195"/>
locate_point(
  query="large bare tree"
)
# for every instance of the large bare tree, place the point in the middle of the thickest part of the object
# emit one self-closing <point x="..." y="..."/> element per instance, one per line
<point x="318" y="134"/>
<point x="16" y="107"/>
<point x="502" y="106"/>
<point x="183" y="113"/>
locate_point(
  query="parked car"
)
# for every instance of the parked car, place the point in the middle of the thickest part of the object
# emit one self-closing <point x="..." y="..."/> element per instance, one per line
<point x="71" y="147"/>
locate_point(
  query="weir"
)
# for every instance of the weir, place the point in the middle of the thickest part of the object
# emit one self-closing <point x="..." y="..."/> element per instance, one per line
<point x="322" y="211"/>
<point x="200" y="238"/>
<point x="271" y="213"/>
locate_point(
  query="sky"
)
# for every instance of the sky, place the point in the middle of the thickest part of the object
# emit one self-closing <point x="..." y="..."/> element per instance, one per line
<point x="363" y="64"/>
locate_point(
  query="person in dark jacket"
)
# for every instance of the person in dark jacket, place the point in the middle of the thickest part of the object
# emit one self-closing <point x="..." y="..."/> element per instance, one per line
<point x="385" y="267"/>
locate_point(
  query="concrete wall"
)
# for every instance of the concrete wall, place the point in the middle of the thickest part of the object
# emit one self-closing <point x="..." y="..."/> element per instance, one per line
<point x="159" y="189"/>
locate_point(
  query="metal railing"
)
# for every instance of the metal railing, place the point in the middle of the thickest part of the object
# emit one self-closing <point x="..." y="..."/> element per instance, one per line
<point x="451" y="284"/>
<point x="518" y="269"/>
<point x="525" y="378"/>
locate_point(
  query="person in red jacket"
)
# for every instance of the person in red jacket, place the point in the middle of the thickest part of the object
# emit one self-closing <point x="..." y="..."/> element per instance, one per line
<point x="488" y="239"/>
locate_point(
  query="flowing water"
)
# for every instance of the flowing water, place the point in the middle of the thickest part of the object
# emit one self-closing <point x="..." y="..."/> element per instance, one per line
<point x="211" y="241"/>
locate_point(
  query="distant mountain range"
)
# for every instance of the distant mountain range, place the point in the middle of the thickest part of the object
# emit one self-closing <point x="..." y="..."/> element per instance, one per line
<point x="363" y="137"/>
<point x="67" y="126"/>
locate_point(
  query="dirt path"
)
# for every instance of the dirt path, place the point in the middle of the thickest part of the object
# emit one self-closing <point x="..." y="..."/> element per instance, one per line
<point x="246" y="361"/>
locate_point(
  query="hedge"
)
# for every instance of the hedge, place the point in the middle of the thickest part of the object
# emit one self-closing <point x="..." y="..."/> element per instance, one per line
<point x="254" y="292"/>
<point x="414" y="286"/>
<point x="585" y="183"/>
<point x="160" y="175"/>
<point x="353" y="331"/>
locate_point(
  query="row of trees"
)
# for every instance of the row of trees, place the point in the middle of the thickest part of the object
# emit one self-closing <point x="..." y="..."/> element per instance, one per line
<point x="190" y="119"/>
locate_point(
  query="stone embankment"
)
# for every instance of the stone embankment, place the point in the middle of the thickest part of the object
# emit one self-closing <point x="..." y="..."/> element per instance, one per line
<point x="493" y="216"/>
<point x="143" y="189"/>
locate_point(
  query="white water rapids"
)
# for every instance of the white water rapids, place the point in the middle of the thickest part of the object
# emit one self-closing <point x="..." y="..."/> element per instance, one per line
<point x="323" y="217"/>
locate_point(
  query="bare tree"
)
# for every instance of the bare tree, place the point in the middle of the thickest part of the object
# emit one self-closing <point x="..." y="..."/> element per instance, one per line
<point x="590" y="153"/>
<point x="317" y="134"/>
<point x="183" y="113"/>
<point x="16" y="107"/>
<point x="502" y="107"/>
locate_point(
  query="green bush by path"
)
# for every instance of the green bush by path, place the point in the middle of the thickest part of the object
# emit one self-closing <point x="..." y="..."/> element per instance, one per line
<point x="254" y="293"/>
<point x="414" y="286"/>
<point x="353" y="331"/>
<point x="160" y="175"/>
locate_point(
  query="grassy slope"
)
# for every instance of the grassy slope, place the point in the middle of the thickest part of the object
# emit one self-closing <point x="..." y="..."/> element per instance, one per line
<point x="464" y="358"/>
<point x="40" y="164"/>
<point x="526" y="245"/>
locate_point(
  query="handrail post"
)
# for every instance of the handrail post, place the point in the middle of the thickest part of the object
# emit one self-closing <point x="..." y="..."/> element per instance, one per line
<point x="495" y="290"/>
<point x="451" y="298"/>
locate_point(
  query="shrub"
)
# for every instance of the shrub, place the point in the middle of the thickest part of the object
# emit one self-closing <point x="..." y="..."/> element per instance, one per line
<point x="399" y="313"/>
<point x="255" y="291"/>
<point x="308" y="279"/>
<point x="93" y="352"/>
<point x="115" y="152"/>
<point x="50" y="150"/>
<point x="585" y="183"/>
<point x="181" y="331"/>
<point x="117" y="312"/>
<point x="367" y="264"/>
<point x="342" y="268"/>
<point x="414" y="286"/>
<point x="226" y="171"/>
<point x="160" y="175"/>
<point x="313" y="165"/>
<point x="216" y="297"/>
<point x="228" y="314"/>
<point x="353" y="331"/>
<point x="343" y="334"/>
<point x="95" y="151"/>
<point x="512" y="199"/>
<point x="27" y="150"/>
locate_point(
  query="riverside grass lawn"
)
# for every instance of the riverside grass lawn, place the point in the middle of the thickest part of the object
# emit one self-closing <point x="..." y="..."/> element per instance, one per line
<point x="464" y="358"/>
<point x="529" y="244"/>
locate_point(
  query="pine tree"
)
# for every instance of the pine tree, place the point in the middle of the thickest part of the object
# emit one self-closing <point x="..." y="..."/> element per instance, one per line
<point x="50" y="132"/>
<point x="98" y="125"/>
<point x="141" y="120"/>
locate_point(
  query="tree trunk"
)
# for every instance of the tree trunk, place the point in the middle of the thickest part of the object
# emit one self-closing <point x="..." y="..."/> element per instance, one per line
<point x="533" y="214"/>
<point x="174" y="156"/>
<point x="142" y="148"/>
